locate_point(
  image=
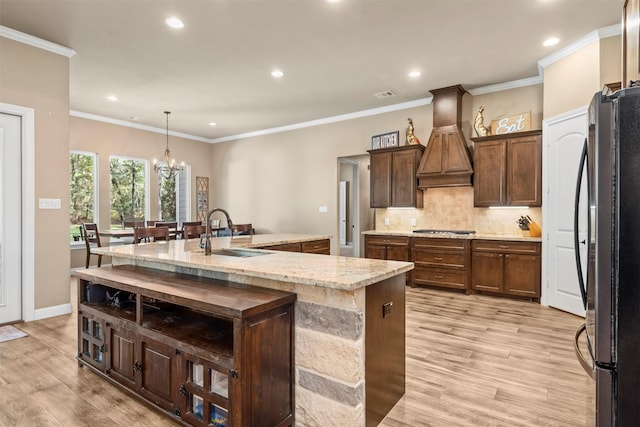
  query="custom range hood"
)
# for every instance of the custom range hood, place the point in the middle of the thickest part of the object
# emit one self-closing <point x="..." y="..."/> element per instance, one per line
<point x="446" y="161"/>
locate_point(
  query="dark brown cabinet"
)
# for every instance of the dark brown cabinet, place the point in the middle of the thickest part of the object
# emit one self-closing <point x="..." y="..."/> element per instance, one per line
<point x="440" y="262"/>
<point x="506" y="267"/>
<point x="395" y="248"/>
<point x="322" y="246"/>
<point x="393" y="177"/>
<point x="508" y="170"/>
<point x="190" y="346"/>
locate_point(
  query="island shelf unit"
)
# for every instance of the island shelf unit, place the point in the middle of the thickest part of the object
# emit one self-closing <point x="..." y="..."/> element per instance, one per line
<point x="207" y="352"/>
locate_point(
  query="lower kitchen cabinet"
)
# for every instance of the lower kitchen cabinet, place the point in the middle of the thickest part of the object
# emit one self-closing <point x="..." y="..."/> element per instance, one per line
<point x="506" y="267"/>
<point x="440" y="262"/>
<point x="190" y="346"/>
<point x="322" y="246"/>
<point x="395" y="248"/>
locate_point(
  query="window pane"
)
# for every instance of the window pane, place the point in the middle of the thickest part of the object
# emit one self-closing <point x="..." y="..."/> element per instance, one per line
<point x="168" y="196"/>
<point x="82" y="191"/>
<point x="127" y="195"/>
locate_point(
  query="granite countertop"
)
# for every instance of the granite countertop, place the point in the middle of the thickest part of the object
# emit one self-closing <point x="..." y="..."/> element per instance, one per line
<point x="517" y="238"/>
<point x="336" y="272"/>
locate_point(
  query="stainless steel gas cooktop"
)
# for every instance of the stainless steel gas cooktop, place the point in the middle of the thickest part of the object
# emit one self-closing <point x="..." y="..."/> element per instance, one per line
<point x="458" y="232"/>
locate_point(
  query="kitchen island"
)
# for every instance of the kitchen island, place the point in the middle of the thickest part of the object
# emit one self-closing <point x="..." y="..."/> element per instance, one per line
<point x="349" y="317"/>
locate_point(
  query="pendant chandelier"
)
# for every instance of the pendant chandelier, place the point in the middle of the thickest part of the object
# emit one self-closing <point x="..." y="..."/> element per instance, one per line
<point x="169" y="167"/>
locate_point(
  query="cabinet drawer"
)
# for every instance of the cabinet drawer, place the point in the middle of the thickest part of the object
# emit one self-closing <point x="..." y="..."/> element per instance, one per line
<point x="287" y="247"/>
<point x="505" y="246"/>
<point x="317" y="247"/>
<point x="448" y="278"/>
<point x="430" y="242"/>
<point x="387" y="240"/>
<point x="438" y="257"/>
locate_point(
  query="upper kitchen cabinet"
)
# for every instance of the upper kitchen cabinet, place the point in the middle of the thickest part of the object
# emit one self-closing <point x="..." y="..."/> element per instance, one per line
<point x="393" y="177"/>
<point x="508" y="170"/>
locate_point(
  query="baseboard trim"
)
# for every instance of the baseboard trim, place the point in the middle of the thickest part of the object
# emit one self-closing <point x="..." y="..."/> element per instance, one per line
<point x="56" y="310"/>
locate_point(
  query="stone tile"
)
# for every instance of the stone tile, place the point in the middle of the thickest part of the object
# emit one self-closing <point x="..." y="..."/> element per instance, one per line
<point x="313" y="410"/>
<point x="327" y="387"/>
<point x="343" y="323"/>
<point x="329" y="355"/>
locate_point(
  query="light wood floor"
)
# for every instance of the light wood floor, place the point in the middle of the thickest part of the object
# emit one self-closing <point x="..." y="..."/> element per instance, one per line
<point x="471" y="361"/>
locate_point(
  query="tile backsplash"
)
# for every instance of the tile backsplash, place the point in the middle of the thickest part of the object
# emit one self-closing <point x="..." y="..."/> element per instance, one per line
<point x="452" y="209"/>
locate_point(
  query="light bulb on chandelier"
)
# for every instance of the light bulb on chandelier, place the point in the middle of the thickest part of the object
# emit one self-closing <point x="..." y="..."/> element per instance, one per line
<point x="169" y="167"/>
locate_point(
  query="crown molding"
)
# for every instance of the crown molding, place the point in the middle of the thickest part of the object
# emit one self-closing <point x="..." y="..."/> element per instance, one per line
<point x="125" y="123"/>
<point x="592" y="37"/>
<point x="343" y="117"/>
<point x="531" y="81"/>
<point x="18" y="36"/>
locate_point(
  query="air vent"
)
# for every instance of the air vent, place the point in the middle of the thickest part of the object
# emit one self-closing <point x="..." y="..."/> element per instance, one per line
<point x="385" y="94"/>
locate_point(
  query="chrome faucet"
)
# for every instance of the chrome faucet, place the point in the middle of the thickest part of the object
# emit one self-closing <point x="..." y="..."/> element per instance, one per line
<point x="207" y="242"/>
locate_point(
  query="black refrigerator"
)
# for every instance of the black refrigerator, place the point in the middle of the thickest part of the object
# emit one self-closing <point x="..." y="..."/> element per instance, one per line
<point x="611" y="288"/>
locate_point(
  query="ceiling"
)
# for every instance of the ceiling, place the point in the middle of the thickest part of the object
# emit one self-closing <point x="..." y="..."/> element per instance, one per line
<point x="335" y="55"/>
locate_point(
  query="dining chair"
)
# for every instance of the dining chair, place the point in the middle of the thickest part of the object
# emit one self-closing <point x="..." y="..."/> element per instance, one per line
<point x="171" y="225"/>
<point x="243" y="230"/>
<point x="146" y="234"/>
<point x="91" y="237"/>
<point x="152" y="222"/>
<point x="185" y="223"/>
<point x="193" y="231"/>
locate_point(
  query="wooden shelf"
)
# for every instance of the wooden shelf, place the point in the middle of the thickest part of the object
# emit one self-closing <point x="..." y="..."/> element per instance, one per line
<point x="179" y="334"/>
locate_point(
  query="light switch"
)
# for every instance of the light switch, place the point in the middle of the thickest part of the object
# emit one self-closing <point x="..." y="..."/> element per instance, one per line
<point x="323" y="209"/>
<point x="413" y="222"/>
<point x="49" y="203"/>
<point x="386" y="221"/>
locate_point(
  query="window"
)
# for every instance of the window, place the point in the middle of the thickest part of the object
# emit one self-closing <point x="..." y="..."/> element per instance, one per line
<point x="128" y="198"/>
<point x="83" y="187"/>
<point x="174" y="196"/>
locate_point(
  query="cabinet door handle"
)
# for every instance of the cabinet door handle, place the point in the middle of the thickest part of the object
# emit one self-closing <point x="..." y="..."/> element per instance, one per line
<point x="506" y="256"/>
<point x="437" y="258"/>
<point x="500" y="256"/>
<point x="137" y="366"/>
<point x="503" y="246"/>
<point x="182" y="390"/>
<point x="438" y="277"/>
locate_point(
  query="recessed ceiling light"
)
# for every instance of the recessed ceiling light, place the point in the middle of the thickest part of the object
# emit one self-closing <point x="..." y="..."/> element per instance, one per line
<point x="212" y="124"/>
<point x="174" y="22"/>
<point x="550" y="42"/>
<point x="414" y="74"/>
<point x="112" y="98"/>
<point x="277" y="73"/>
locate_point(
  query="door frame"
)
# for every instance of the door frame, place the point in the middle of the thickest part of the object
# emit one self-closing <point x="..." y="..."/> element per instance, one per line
<point x="546" y="208"/>
<point x="28" y="206"/>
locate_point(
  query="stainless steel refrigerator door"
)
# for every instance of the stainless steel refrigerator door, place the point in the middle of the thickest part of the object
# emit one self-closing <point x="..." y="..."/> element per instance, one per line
<point x="605" y="397"/>
<point x="600" y="280"/>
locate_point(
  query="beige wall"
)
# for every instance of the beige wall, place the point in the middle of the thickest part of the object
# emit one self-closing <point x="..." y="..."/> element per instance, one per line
<point x="34" y="78"/>
<point x="278" y="182"/>
<point x="571" y="82"/>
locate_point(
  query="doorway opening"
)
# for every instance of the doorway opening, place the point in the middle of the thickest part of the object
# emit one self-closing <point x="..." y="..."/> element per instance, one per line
<point x="354" y="213"/>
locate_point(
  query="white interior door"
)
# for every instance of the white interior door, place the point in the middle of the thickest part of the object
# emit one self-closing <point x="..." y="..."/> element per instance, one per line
<point x="343" y="213"/>
<point x="563" y="138"/>
<point x="10" y="219"/>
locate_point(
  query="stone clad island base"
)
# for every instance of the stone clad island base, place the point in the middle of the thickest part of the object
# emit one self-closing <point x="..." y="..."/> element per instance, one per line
<point x="349" y="321"/>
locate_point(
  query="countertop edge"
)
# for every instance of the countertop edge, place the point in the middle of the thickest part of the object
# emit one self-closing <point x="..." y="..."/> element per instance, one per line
<point x="514" y="238"/>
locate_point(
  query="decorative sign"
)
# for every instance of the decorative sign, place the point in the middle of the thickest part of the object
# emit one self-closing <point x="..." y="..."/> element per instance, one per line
<point x="517" y="123"/>
<point x="385" y="140"/>
<point x="202" y="196"/>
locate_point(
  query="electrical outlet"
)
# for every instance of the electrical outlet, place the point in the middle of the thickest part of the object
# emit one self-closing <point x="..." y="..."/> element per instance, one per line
<point x="413" y="222"/>
<point x="386" y="309"/>
<point x="386" y="221"/>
